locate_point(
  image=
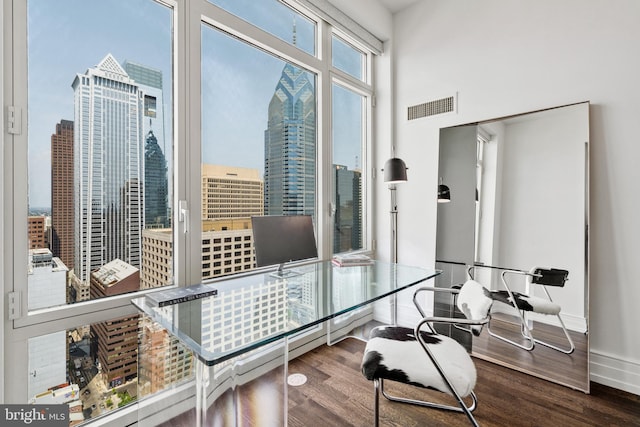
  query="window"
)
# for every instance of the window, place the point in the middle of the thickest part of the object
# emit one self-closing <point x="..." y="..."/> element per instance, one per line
<point x="117" y="119"/>
<point x="348" y="58"/>
<point x="100" y="121"/>
<point x="98" y="154"/>
<point x="253" y="125"/>
<point x="348" y="148"/>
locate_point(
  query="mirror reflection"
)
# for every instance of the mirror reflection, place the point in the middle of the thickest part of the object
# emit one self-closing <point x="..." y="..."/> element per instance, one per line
<point x="517" y="199"/>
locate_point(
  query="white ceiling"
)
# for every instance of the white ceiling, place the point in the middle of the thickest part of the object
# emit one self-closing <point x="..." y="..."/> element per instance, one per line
<point x="397" y="5"/>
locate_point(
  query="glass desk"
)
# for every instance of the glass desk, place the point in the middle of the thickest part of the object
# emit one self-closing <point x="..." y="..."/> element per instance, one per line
<point x="254" y="314"/>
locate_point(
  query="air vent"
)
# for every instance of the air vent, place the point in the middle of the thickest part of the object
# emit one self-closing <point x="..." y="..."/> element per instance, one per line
<point x="431" y="108"/>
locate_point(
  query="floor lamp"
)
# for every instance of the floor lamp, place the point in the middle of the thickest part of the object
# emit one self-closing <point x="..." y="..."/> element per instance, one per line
<point x="395" y="171"/>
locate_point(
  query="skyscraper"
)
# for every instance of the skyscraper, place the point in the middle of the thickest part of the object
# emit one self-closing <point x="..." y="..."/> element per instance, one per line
<point x="155" y="184"/>
<point x="62" y="215"/>
<point x="290" y="146"/>
<point x="348" y="217"/>
<point x="156" y="190"/>
<point x="115" y="345"/>
<point x="108" y="172"/>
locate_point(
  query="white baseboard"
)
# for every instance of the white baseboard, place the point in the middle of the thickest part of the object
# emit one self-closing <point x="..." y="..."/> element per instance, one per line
<point x="614" y="372"/>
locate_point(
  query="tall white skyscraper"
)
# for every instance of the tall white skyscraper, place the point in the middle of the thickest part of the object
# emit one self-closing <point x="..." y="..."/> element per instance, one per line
<point x="108" y="171"/>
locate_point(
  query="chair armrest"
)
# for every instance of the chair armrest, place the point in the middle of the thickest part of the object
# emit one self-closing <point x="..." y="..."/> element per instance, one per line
<point x="519" y="272"/>
<point x="451" y="291"/>
<point x="451" y="321"/>
<point x="549" y="276"/>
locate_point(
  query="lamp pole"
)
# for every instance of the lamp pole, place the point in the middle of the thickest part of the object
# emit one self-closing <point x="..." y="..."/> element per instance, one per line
<point x="394" y="249"/>
<point x="394" y="224"/>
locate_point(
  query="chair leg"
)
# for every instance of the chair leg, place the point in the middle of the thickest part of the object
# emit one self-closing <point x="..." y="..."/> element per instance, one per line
<point x="525" y="331"/>
<point x="528" y="335"/>
<point x="376" y="404"/>
<point x="463" y="408"/>
<point x="567" y="336"/>
<point x="564" y="329"/>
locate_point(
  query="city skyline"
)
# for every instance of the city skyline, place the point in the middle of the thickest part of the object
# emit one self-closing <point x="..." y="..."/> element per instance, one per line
<point x="65" y="39"/>
<point x="230" y="88"/>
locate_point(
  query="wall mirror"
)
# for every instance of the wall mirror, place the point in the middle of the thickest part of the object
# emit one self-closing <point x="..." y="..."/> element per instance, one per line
<point x="517" y="191"/>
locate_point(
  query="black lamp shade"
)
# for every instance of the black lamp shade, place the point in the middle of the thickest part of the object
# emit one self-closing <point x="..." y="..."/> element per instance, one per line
<point x="444" y="194"/>
<point x="395" y="171"/>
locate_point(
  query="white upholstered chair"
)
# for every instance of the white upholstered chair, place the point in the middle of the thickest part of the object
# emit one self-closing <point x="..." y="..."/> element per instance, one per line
<point x="524" y="303"/>
<point x="424" y="358"/>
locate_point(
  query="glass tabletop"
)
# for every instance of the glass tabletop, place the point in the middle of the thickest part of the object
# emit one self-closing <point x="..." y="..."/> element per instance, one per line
<point x="227" y="318"/>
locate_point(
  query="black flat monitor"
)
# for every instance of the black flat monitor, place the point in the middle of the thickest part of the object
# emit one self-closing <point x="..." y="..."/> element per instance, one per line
<point x="279" y="239"/>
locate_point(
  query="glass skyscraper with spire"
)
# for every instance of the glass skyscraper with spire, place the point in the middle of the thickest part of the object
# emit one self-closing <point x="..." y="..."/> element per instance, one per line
<point x="155" y="184"/>
<point x="156" y="189"/>
<point x="290" y="145"/>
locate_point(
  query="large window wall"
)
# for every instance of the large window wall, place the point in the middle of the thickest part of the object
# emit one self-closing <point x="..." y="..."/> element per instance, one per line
<point x="151" y="131"/>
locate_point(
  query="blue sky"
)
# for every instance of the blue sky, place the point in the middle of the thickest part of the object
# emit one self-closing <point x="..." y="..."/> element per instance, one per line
<point x="66" y="37"/>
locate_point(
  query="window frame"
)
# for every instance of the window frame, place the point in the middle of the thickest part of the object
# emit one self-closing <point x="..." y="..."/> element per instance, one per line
<point x="344" y="39"/>
<point x="50" y="318"/>
<point x="364" y="88"/>
<point x="365" y="154"/>
<point x="188" y="17"/>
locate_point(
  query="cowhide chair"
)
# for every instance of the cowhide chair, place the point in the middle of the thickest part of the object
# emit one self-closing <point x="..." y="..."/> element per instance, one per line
<point x="424" y="358"/>
<point x="527" y="303"/>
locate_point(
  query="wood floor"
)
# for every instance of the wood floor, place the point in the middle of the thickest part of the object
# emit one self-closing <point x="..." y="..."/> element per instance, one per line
<point x="336" y="394"/>
<point x="567" y="369"/>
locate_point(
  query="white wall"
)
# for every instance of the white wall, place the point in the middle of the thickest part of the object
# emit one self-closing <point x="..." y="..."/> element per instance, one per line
<point x="504" y="57"/>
